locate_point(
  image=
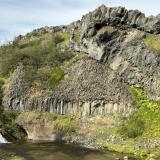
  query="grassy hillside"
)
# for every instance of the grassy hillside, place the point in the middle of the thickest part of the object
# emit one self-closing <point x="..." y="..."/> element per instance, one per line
<point x="146" y="120"/>
<point x="40" y="55"/>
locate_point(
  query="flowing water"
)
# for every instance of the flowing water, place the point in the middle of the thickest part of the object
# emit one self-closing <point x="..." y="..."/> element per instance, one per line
<point x="52" y="151"/>
<point x="2" y="139"/>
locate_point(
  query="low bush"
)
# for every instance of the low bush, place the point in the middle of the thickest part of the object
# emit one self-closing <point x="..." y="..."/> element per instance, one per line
<point x="133" y="128"/>
<point x="56" y="77"/>
<point x="41" y="56"/>
<point x="145" y="120"/>
<point x="64" y="126"/>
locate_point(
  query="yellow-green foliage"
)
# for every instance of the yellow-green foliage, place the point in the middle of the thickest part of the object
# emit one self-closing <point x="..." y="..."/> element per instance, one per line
<point x="56" y="77"/>
<point x="153" y="41"/>
<point x="146" y="120"/>
<point x="123" y="147"/>
<point x="77" y="36"/>
<point x="16" y="158"/>
<point x="64" y="35"/>
<point x="37" y="115"/>
<point x="65" y="126"/>
<point x="76" y="58"/>
<point x="39" y="55"/>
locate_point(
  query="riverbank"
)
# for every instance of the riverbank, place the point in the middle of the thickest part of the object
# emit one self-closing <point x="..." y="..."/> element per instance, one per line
<point x="91" y="132"/>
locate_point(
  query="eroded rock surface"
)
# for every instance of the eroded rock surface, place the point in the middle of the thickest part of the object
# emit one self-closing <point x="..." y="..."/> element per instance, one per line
<point x="113" y="38"/>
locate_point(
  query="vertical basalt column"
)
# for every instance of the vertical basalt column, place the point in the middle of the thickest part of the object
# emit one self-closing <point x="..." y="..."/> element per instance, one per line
<point x="62" y="107"/>
<point x="69" y="111"/>
<point x="21" y="105"/>
<point x="58" y="107"/>
<point x="115" y="108"/>
<point x="55" y="106"/>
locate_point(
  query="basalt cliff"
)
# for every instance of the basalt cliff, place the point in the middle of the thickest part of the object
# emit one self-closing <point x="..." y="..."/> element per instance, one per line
<point x="108" y="65"/>
<point x="113" y="38"/>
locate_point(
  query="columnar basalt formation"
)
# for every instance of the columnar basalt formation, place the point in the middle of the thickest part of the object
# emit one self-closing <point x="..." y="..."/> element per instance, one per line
<point x="113" y="38"/>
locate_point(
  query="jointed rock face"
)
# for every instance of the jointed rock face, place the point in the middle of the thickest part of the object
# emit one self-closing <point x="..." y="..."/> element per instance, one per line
<point x="114" y="39"/>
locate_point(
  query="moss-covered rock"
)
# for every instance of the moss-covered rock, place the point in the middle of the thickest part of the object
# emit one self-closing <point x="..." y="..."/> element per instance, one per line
<point x="153" y="41"/>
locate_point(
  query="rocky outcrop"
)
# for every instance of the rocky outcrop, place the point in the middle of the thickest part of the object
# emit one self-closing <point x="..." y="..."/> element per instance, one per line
<point x="100" y="42"/>
<point x="72" y="97"/>
<point x="113" y="36"/>
<point x="119" y="17"/>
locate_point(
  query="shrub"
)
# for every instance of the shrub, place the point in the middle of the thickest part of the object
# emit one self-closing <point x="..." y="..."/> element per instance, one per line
<point x="138" y="96"/>
<point x="145" y="121"/>
<point x="39" y="55"/>
<point x="133" y="128"/>
<point x="56" y="77"/>
<point x="58" y="39"/>
<point x="65" y="126"/>
<point x="76" y="36"/>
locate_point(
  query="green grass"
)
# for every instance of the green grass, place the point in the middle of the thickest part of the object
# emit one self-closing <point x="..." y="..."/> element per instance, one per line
<point x="64" y="35"/>
<point x="123" y="147"/>
<point x="77" y="36"/>
<point x="37" y="115"/>
<point x="74" y="59"/>
<point x="145" y="122"/>
<point x="57" y="76"/>
<point x="153" y="41"/>
<point x="40" y="56"/>
<point x="66" y="126"/>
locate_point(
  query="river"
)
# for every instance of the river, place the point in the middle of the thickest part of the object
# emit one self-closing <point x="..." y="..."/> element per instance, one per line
<point x="52" y="151"/>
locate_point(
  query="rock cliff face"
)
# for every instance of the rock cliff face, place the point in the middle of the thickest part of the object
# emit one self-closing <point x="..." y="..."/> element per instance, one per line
<point x="112" y="38"/>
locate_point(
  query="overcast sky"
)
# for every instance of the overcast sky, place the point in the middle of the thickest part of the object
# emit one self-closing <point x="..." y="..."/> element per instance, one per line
<point x="21" y="16"/>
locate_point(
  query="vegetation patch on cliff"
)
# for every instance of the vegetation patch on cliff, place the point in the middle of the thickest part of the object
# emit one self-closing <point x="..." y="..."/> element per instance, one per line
<point x="65" y="126"/>
<point x="145" y="121"/>
<point x="40" y="56"/>
<point x="76" y="36"/>
<point x="153" y="41"/>
<point x="141" y="126"/>
<point x="56" y="77"/>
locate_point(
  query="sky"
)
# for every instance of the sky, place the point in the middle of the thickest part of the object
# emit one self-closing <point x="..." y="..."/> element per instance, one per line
<point x="22" y="16"/>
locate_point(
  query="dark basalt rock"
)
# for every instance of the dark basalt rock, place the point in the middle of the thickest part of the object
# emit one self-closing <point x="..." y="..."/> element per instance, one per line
<point x="113" y="36"/>
<point x="119" y="17"/>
